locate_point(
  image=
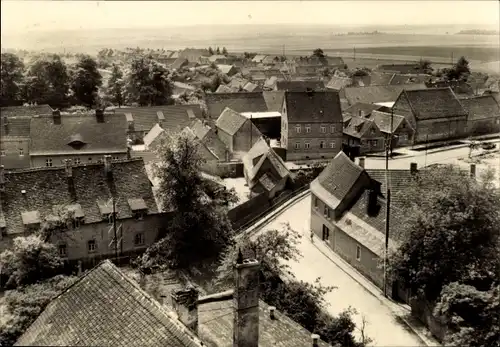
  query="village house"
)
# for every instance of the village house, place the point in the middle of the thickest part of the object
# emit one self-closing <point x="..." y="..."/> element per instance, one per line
<point x="83" y="138"/>
<point x="483" y="115"/>
<point x="220" y="59"/>
<point x="180" y="88"/>
<point x="237" y="132"/>
<point x="265" y="171"/>
<point x="177" y="315"/>
<point x="365" y="134"/>
<point x="239" y="102"/>
<point x="258" y="58"/>
<point x="376" y="94"/>
<point x="364" y="110"/>
<point x="311" y="125"/>
<point x="226" y="89"/>
<point x="402" y="131"/>
<point x="179" y="63"/>
<point x="237" y="83"/>
<point x="229" y="70"/>
<point x="252" y="87"/>
<point x="435" y="114"/>
<point x="388" y="78"/>
<point x="80" y="197"/>
<point x="193" y="55"/>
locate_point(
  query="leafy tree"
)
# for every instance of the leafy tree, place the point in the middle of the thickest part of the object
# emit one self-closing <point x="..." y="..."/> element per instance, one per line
<point x="200" y="229"/>
<point x="148" y="83"/>
<point x="210" y="51"/>
<point x="25" y="304"/>
<point x="472" y="315"/>
<point x="224" y="51"/>
<point x="450" y="232"/>
<point x="318" y="52"/>
<point x="47" y="81"/>
<point x="116" y="86"/>
<point x="303" y="302"/>
<point x="30" y="260"/>
<point x="11" y="86"/>
<point x="425" y="66"/>
<point x="460" y="71"/>
<point x="86" y="81"/>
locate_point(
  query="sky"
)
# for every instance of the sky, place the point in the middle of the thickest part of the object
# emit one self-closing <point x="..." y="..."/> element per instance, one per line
<point x="24" y="16"/>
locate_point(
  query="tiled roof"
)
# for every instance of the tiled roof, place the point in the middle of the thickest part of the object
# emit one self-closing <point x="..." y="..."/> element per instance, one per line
<point x="481" y="107"/>
<point x="433" y="103"/>
<point x="225" y="68"/>
<point x="178" y="63"/>
<point x="176" y="116"/>
<point x="274" y="100"/>
<point x="337" y="83"/>
<point x="49" y="138"/>
<point x="313" y="106"/>
<point x="230" y="121"/>
<point x="398" y="181"/>
<point x="18" y="126"/>
<point x="358" y="126"/>
<point x="152" y="135"/>
<point x="381" y="78"/>
<point x="48" y="187"/>
<point x="339" y="176"/>
<point x="383" y="121"/>
<point x="25" y="111"/>
<point x="239" y="102"/>
<point x="355" y="109"/>
<point x="373" y="94"/>
<point x="251" y="87"/>
<point x="105" y="308"/>
<point x="225" y="89"/>
<point x="201" y="130"/>
<point x="300" y="86"/>
<point x="214" y="57"/>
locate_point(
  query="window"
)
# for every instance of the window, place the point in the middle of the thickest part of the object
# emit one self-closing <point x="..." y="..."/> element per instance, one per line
<point x="77" y="222"/>
<point x="297" y="145"/>
<point x="21" y="152"/>
<point x="326" y="212"/>
<point x="77" y="161"/>
<point x="115" y="158"/>
<point x="308" y="128"/>
<point x="298" y="129"/>
<point x="374" y="143"/>
<point x="358" y="253"/>
<point x="91" y="246"/>
<point x="316" y="202"/>
<point x="404" y="138"/>
<point x="48" y="162"/>
<point x="307" y="145"/>
<point x="110" y="218"/>
<point x="322" y="144"/>
<point x="323" y="129"/>
<point x="62" y="250"/>
<point x="372" y="131"/>
<point x="139" y="215"/>
<point x="332" y="128"/>
<point x="326" y="233"/>
<point x="90" y="160"/>
<point x="139" y="239"/>
<point x="2" y="153"/>
<point x="332" y="144"/>
<point x="403" y="126"/>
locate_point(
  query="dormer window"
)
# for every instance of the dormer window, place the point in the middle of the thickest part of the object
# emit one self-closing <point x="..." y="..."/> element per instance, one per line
<point x="106" y="210"/>
<point x="75" y="212"/>
<point x="138" y="207"/>
<point x="76" y="141"/>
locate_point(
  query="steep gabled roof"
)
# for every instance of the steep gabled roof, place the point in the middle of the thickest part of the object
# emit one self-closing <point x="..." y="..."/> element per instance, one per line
<point x="274" y="100"/>
<point x="358" y="126"/>
<point x="105" y="308"/>
<point x="230" y="121"/>
<point x="200" y="130"/>
<point x="433" y="103"/>
<point x="107" y="137"/>
<point x="239" y="102"/>
<point x="25" y="111"/>
<point x="373" y="94"/>
<point x="383" y="121"/>
<point x="481" y="107"/>
<point x="313" y="106"/>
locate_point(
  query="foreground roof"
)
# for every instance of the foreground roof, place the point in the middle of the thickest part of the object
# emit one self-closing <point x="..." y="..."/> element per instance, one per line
<point x="313" y="106"/>
<point x="105" y="308"/>
<point x="274" y="100"/>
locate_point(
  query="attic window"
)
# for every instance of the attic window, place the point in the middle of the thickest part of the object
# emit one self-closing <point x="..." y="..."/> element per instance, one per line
<point x="76" y="141"/>
<point x="106" y="210"/>
<point x="138" y="207"/>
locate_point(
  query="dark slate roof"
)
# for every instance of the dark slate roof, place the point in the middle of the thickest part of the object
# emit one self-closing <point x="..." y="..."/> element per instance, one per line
<point x="313" y="107"/>
<point x="16" y="126"/>
<point x="274" y="100"/>
<point x="434" y="103"/>
<point x="481" y="107"/>
<point x="230" y="121"/>
<point x="355" y="109"/>
<point x="398" y="181"/>
<point x="105" y="308"/>
<point x="357" y="126"/>
<point x="177" y="117"/>
<point x="300" y="86"/>
<point x="239" y="102"/>
<point x="373" y="94"/>
<point x="383" y="121"/>
<point x="49" y="138"/>
<point x="48" y="187"/>
<point x="340" y="176"/>
<point x="25" y="111"/>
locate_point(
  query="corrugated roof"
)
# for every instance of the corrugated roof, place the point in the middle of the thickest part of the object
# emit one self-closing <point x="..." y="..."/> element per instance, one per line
<point x="313" y="107"/>
<point x="106" y="308"/>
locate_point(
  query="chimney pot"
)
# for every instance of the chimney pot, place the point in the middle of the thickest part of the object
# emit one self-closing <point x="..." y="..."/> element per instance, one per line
<point x="185" y="305"/>
<point x="413" y="168"/>
<point x="56" y="116"/>
<point x="473" y="170"/>
<point x="272" y="311"/>
<point x="315" y="340"/>
<point x="361" y="162"/>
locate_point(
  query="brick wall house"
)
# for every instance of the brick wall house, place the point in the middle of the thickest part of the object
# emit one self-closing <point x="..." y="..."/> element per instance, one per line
<point x="483" y="115"/>
<point x="311" y="125"/>
<point x="31" y="197"/>
<point x="435" y="114"/>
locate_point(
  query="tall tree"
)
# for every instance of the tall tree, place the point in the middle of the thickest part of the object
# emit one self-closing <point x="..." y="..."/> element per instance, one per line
<point x="200" y="229"/>
<point x="460" y="71"/>
<point x="224" y="51"/>
<point x="86" y="81"/>
<point x="218" y="50"/>
<point x="12" y="78"/>
<point x="148" y="83"/>
<point x="425" y="65"/>
<point x="47" y="81"/>
<point x="210" y="51"/>
<point x="115" y="87"/>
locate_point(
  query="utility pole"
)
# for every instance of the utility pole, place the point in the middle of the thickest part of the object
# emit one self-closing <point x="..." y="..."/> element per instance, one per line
<point x="114" y="229"/>
<point x="388" y="198"/>
<point x="354" y="49"/>
<point x="251" y="132"/>
<point x="426" y="147"/>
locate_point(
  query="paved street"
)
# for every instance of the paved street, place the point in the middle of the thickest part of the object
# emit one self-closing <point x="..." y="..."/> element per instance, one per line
<point x="382" y="326"/>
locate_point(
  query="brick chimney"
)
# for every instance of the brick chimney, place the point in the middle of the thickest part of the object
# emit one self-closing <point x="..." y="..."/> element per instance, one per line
<point x="272" y="311"/>
<point x="315" y="340"/>
<point x="56" y="116"/>
<point x="184" y="302"/>
<point x="99" y="115"/>
<point x="413" y="168"/>
<point x="2" y="178"/>
<point x="472" y="170"/>
<point x="361" y="162"/>
<point x="246" y="303"/>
